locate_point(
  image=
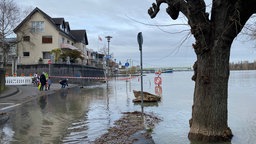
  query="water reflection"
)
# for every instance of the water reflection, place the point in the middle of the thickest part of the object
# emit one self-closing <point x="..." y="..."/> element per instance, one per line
<point x="43" y="120"/>
<point x="63" y="93"/>
<point x="43" y="101"/>
<point x="147" y="104"/>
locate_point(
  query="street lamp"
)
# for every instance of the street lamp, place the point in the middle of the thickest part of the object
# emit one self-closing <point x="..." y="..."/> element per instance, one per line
<point x="108" y="56"/>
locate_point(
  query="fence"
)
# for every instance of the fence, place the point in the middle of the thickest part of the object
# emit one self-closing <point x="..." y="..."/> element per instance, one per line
<point x="77" y="74"/>
<point x="18" y="80"/>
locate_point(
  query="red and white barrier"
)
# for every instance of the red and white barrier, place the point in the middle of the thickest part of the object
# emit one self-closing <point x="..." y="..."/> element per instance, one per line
<point x="70" y="77"/>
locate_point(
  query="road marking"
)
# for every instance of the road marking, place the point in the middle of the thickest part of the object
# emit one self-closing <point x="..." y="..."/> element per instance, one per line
<point x="7" y="103"/>
<point x="9" y="107"/>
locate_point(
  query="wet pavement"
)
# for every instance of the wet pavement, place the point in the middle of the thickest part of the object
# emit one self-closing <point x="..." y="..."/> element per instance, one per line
<point x="9" y="91"/>
<point x="13" y="96"/>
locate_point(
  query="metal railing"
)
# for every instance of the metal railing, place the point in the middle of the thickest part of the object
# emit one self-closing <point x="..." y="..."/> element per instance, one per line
<point x="18" y="80"/>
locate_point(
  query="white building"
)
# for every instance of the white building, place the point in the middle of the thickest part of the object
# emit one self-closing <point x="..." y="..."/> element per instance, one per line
<point x="38" y="34"/>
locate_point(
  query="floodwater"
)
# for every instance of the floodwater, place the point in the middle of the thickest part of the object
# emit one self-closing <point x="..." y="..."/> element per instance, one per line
<point x="81" y="115"/>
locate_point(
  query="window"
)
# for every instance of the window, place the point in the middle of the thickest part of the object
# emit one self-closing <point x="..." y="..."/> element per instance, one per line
<point x="26" y="38"/>
<point x="67" y="31"/>
<point x="25" y="54"/>
<point x="12" y="50"/>
<point x="47" y="39"/>
<point x="62" y="27"/>
<point x="46" y="55"/>
<point x="63" y="40"/>
<point x="37" y="26"/>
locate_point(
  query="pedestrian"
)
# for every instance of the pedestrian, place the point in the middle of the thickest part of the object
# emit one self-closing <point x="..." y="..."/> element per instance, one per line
<point x="63" y="83"/>
<point x="42" y="81"/>
<point x="46" y="75"/>
<point x="35" y="79"/>
<point x="35" y="75"/>
<point x="49" y="82"/>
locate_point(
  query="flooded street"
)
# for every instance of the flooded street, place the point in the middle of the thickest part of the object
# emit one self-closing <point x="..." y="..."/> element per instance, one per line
<point x="80" y="115"/>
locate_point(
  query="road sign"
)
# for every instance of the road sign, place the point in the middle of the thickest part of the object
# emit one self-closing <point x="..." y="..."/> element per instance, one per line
<point x="126" y="64"/>
<point x="49" y="62"/>
<point x="140" y="40"/>
<point x="158" y="80"/>
<point x="108" y="56"/>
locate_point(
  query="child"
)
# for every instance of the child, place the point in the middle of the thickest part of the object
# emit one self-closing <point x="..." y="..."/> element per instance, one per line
<point x="49" y="82"/>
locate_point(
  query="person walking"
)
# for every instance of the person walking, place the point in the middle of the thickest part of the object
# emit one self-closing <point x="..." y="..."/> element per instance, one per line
<point x="42" y="81"/>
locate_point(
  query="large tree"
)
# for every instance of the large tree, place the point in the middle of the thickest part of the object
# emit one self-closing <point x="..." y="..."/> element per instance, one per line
<point x="9" y="18"/>
<point x="214" y="34"/>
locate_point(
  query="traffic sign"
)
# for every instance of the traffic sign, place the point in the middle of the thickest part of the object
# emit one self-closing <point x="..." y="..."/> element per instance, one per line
<point x="140" y="40"/>
<point x="108" y="56"/>
<point x="158" y="80"/>
<point x="49" y="62"/>
<point x="126" y="64"/>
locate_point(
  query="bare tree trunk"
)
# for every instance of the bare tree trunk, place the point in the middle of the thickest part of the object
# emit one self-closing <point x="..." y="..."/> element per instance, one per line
<point x="209" y="112"/>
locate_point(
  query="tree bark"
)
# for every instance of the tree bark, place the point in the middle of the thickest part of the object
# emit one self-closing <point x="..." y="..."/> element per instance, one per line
<point x="209" y="112"/>
<point x="212" y="47"/>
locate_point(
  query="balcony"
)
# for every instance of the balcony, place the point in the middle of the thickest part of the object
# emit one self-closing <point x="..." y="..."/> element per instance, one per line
<point x="68" y="46"/>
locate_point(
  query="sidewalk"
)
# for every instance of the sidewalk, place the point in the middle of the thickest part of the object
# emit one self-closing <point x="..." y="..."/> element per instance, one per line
<point x="9" y="91"/>
<point x="16" y="95"/>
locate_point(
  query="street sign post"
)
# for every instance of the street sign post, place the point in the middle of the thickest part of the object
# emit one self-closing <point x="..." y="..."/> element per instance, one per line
<point x="140" y="42"/>
<point x="49" y="64"/>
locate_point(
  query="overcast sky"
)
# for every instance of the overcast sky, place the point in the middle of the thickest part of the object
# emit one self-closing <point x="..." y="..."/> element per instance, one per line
<point x="163" y="46"/>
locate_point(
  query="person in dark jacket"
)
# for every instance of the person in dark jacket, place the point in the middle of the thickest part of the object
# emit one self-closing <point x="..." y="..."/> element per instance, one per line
<point x="63" y="83"/>
<point x="42" y="81"/>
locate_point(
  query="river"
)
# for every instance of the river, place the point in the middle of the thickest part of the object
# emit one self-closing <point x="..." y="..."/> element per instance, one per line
<point x="80" y="115"/>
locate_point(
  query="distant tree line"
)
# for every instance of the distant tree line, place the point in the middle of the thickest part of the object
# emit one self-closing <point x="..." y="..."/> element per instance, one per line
<point x="243" y="65"/>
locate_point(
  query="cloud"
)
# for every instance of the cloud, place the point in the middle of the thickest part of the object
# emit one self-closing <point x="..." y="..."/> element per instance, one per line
<point x="164" y="39"/>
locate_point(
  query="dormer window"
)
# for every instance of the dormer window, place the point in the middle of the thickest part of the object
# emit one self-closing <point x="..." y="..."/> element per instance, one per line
<point x="67" y="31"/>
<point x="62" y="27"/>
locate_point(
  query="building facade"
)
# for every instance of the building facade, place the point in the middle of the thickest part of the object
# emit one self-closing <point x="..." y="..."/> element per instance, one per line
<point x="38" y="34"/>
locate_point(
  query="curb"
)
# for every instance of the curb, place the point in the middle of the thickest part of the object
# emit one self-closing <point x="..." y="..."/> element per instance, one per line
<point x="13" y="92"/>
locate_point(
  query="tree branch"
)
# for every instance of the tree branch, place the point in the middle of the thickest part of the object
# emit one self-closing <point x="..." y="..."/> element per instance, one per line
<point x="197" y="12"/>
<point x="174" y="7"/>
<point x="152" y="11"/>
<point x="177" y="5"/>
<point x="247" y="9"/>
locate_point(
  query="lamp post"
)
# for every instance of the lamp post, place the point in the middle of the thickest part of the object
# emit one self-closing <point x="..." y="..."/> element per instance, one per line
<point x="108" y="56"/>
